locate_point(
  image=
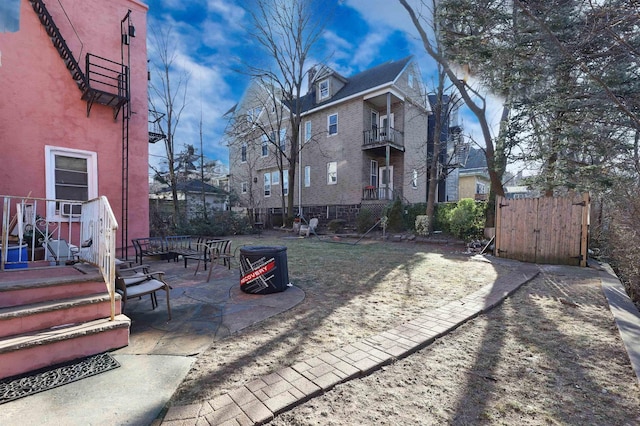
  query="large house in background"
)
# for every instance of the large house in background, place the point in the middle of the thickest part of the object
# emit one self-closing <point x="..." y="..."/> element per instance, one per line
<point x="364" y="143"/>
<point x="73" y="107"/>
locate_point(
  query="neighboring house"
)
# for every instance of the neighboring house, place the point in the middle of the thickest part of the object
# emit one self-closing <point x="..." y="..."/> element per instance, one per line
<point x="73" y="109"/>
<point x="473" y="178"/>
<point x="453" y="149"/>
<point x="364" y="139"/>
<point x="190" y="193"/>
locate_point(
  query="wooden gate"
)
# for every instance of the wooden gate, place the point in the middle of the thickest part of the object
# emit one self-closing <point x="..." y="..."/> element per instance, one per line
<point x="550" y="230"/>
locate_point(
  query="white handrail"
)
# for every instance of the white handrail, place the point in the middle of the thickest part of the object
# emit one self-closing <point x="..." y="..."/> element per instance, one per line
<point x="90" y="233"/>
<point x="98" y="241"/>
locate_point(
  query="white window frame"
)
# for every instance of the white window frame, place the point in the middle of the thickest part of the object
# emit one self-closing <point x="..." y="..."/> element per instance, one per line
<point x="324" y="89"/>
<point x="285" y="182"/>
<point x="373" y="179"/>
<point x="332" y="173"/>
<point x="244" y="187"/>
<point x="307" y="131"/>
<point x="265" y="146"/>
<point x="307" y="176"/>
<point x="275" y="178"/>
<point x="329" y="124"/>
<point x="283" y="140"/>
<point x="414" y="179"/>
<point x="267" y="184"/>
<point x="254" y="114"/>
<point x="410" y="80"/>
<point x="50" y="153"/>
<point x="243" y="153"/>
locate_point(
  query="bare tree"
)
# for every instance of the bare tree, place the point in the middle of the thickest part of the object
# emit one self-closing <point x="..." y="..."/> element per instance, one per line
<point x="287" y="31"/>
<point x="477" y="104"/>
<point x="169" y="93"/>
<point x="441" y="160"/>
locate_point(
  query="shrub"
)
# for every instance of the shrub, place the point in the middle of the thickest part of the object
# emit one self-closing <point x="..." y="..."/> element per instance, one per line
<point x="336" y="225"/>
<point x="441" y="216"/>
<point x="412" y="212"/>
<point x="365" y="220"/>
<point x="421" y="225"/>
<point x="219" y="224"/>
<point x="465" y="220"/>
<point x="395" y="219"/>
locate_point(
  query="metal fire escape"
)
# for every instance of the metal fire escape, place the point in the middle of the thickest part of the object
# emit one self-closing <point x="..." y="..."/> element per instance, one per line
<point x="103" y="82"/>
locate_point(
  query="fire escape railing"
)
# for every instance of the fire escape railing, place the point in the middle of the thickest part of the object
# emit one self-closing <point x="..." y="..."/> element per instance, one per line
<point x="60" y="44"/>
<point x="105" y="81"/>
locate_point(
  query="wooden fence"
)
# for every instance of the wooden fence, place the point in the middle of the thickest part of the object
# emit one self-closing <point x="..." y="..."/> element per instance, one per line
<point x="551" y="230"/>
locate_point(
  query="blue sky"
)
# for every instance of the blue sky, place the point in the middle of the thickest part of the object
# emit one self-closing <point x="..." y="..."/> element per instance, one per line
<point x="212" y="42"/>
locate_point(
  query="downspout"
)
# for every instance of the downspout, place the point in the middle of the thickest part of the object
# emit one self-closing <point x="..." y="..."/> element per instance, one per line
<point x="299" y="170"/>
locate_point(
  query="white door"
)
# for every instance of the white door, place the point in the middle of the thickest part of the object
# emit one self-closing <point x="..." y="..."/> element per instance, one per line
<point x="383" y="125"/>
<point x="385" y="183"/>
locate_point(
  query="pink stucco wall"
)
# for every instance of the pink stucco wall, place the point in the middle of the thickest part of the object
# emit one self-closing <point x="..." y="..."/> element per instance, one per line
<point x="40" y="103"/>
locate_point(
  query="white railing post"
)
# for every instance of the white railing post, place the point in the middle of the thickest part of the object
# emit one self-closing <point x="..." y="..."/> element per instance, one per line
<point x="91" y="234"/>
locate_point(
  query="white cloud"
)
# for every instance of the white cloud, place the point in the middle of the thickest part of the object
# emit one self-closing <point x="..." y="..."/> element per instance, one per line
<point x="369" y="50"/>
<point x="232" y="14"/>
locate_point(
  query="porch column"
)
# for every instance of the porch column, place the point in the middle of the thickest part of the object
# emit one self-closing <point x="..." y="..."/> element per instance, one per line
<point x="388" y="148"/>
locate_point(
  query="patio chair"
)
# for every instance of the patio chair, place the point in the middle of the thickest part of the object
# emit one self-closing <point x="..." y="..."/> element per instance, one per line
<point x="132" y="274"/>
<point x="214" y="250"/>
<point x="311" y="227"/>
<point x="151" y="283"/>
<point x="61" y="251"/>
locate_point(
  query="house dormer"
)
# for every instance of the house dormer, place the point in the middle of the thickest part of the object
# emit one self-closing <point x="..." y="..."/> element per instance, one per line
<point x="326" y="83"/>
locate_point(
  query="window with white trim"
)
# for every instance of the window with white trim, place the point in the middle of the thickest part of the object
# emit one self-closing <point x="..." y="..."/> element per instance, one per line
<point x="254" y="113"/>
<point x="265" y="146"/>
<point x="243" y="153"/>
<point x="373" y="181"/>
<point x="307" y="176"/>
<point x="332" y="124"/>
<point x="245" y="187"/>
<point x="267" y="184"/>
<point x="285" y="182"/>
<point x="414" y="179"/>
<point x="324" y="89"/>
<point x="332" y="173"/>
<point x="307" y="131"/>
<point x="275" y="178"/>
<point x="283" y="140"/>
<point x="70" y="174"/>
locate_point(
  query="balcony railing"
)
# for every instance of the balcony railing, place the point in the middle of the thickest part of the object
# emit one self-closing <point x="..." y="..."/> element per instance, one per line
<point x="380" y="137"/>
<point x="371" y="193"/>
<point x="88" y="230"/>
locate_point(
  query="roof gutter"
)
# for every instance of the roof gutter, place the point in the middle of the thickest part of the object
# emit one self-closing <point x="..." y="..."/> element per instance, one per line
<point x="354" y="96"/>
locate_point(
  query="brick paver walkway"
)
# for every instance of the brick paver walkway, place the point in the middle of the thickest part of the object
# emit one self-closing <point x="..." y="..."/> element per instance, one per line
<point x="260" y="400"/>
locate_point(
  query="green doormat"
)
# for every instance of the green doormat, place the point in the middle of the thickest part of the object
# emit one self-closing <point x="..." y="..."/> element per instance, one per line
<point x="13" y="388"/>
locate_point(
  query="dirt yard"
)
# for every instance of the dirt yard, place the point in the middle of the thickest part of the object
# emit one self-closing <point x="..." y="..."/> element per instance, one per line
<point x="550" y="354"/>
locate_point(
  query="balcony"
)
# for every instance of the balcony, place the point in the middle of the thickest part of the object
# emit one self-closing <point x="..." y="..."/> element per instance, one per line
<point x="377" y="138"/>
<point x="375" y="193"/>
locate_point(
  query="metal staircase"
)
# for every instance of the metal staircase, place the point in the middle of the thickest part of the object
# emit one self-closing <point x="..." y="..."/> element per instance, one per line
<point x="105" y="81"/>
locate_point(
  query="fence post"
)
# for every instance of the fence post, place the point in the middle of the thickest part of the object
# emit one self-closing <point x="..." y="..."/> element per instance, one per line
<point x="585" y="229"/>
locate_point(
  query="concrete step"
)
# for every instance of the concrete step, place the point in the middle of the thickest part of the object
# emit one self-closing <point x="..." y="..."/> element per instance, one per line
<point x="44" y="315"/>
<point x="31" y="351"/>
<point x="23" y="288"/>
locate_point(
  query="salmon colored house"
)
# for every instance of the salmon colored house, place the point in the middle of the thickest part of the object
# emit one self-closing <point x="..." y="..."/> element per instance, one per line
<point x="85" y="105"/>
<point x="73" y="174"/>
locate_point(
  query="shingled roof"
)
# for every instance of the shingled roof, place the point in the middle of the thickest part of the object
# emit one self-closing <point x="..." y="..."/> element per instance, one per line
<point x="379" y="75"/>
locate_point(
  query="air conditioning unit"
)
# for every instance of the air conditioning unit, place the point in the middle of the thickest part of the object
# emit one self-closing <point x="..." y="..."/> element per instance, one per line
<point x="70" y="210"/>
